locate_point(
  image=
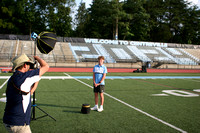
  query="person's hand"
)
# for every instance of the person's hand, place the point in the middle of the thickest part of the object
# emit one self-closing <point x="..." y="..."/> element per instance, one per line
<point x="96" y="84"/>
<point x="44" y="67"/>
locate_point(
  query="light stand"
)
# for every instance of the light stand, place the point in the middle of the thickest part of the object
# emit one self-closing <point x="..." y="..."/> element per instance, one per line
<point x="34" y="36"/>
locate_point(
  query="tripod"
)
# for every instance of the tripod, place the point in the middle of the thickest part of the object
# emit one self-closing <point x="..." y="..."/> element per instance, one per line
<point x="34" y="105"/>
<point x="33" y="110"/>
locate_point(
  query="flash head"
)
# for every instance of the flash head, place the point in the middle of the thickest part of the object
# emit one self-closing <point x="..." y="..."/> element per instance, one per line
<point x="34" y="35"/>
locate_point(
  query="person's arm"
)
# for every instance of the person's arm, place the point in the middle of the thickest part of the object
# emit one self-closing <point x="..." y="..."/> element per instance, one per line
<point x="44" y="67"/>
<point x="97" y="84"/>
<point x="104" y="76"/>
<point x="33" y="88"/>
<point x="94" y="80"/>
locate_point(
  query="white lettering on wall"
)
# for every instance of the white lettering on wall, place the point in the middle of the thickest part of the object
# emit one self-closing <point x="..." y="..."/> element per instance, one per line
<point x="121" y="54"/>
<point x="139" y="54"/>
<point x="123" y="42"/>
<point x="102" y="51"/>
<point x="101" y="41"/>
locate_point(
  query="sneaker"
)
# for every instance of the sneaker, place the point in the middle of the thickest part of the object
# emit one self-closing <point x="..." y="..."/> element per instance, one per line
<point x="100" y="109"/>
<point x="94" y="108"/>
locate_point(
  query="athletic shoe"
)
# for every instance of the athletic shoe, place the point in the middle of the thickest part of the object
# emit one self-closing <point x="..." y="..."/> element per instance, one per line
<point x="94" y="108"/>
<point x="100" y="109"/>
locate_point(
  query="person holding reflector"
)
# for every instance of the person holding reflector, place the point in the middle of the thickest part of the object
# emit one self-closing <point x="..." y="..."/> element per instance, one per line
<point x="99" y="75"/>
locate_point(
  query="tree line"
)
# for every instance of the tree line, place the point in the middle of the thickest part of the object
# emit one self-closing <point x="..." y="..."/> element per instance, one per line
<point x="170" y="21"/>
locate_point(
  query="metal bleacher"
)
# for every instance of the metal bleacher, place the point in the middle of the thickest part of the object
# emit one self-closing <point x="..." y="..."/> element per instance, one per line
<point x="11" y="48"/>
<point x="6" y="50"/>
<point x="181" y="57"/>
<point x="120" y="53"/>
<point x="128" y="53"/>
<point x="193" y="53"/>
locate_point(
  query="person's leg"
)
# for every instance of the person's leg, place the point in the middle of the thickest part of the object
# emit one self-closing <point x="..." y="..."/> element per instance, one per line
<point x="96" y="98"/>
<point x="102" y="98"/>
<point x="96" y="101"/>
<point x="102" y="101"/>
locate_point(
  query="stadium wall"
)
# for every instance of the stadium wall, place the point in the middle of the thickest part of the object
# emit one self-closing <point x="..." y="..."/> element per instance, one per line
<point x="102" y="41"/>
<point x="62" y="56"/>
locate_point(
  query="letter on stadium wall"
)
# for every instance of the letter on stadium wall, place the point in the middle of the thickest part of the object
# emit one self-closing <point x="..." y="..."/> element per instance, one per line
<point x="126" y="53"/>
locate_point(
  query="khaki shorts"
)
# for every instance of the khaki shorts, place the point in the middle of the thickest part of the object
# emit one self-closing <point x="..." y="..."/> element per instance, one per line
<point x="18" y="129"/>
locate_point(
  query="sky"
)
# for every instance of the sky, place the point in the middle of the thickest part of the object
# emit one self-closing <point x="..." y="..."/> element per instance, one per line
<point x="196" y="2"/>
<point x="88" y="2"/>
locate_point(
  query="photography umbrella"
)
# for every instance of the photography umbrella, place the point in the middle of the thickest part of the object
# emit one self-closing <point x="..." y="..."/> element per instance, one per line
<point x="46" y="42"/>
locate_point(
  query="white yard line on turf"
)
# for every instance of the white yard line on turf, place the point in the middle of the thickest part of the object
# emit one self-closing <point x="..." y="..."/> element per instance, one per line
<point x="192" y="80"/>
<point x="168" y="124"/>
<point x="4" y="84"/>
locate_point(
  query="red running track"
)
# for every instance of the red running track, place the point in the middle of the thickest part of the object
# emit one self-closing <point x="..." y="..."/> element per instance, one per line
<point x="125" y="70"/>
<point x="121" y="70"/>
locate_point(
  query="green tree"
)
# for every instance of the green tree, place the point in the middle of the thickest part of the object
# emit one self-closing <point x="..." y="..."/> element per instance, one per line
<point x="25" y="16"/>
<point x="117" y="16"/>
<point x="99" y="20"/>
<point x="175" y="13"/>
<point x="190" y="33"/>
<point x="58" y="17"/>
<point x="5" y="20"/>
<point x="138" y="25"/>
<point x="32" y="18"/>
<point x="11" y="16"/>
<point x="81" y="19"/>
<point x="173" y="21"/>
<point x="103" y="19"/>
<point x="158" y="23"/>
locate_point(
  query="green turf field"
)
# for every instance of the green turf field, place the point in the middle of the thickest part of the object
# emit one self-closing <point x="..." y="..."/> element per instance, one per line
<point x="131" y="105"/>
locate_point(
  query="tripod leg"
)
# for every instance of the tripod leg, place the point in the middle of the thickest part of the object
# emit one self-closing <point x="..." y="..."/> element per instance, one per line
<point x="33" y="109"/>
<point x="33" y="113"/>
<point x="46" y="113"/>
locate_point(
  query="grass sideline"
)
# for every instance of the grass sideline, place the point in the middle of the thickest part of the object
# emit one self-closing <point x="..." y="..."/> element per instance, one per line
<point x="63" y="100"/>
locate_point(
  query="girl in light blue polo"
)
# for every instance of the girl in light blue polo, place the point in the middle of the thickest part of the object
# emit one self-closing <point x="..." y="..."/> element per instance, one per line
<point x="99" y="74"/>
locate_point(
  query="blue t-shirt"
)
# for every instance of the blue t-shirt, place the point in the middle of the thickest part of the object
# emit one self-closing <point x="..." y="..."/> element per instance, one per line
<point x="18" y="106"/>
<point x="99" y="71"/>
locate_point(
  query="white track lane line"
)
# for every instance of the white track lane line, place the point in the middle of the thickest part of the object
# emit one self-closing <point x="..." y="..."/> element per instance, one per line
<point x="168" y="124"/>
<point x="4" y="84"/>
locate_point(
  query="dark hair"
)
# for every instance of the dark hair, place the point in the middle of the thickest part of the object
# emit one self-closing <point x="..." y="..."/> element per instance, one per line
<point x="27" y="63"/>
<point x="31" y="65"/>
